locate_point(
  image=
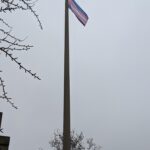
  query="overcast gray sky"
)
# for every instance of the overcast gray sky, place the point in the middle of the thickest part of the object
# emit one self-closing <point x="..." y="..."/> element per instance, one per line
<point x="110" y="75"/>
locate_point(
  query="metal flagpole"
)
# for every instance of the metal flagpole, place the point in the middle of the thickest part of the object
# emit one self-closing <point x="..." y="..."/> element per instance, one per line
<point x="66" y="119"/>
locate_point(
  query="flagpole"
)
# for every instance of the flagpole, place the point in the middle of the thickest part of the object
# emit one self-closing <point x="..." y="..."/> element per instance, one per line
<point x="66" y="117"/>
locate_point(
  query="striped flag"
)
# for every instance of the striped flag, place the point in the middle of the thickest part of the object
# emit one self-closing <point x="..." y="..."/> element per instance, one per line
<point x="79" y="13"/>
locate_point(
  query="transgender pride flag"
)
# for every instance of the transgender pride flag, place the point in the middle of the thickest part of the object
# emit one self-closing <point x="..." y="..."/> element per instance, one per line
<point x="79" y="13"/>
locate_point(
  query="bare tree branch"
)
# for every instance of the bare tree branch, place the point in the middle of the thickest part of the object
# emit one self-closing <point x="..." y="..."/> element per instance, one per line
<point x="10" y="43"/>
<point x="78" y="142"/>
<point x="4" y="94"/>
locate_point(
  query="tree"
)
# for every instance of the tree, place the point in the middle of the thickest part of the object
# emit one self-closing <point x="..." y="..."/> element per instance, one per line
<point x="10" y="43"/>
<point x="78" y="142"/>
